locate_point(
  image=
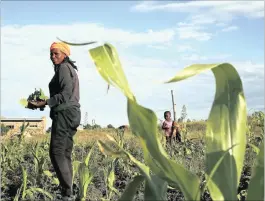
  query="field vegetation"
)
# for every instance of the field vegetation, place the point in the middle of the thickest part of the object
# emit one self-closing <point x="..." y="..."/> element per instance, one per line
<point x="27" y="173"/>
<point x="218" y="159"/>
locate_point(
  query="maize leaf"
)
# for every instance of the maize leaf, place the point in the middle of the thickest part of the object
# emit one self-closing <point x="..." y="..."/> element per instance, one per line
<point x="145" y="170"/>
<point x="226" y="126"/>
<point x="131" y="188"/>
<point x="40" y="190"/>
<point x="161" y="188"/>
<point x="143" y="123"/>
<point x="78" y="44"/>
<point x="85" y="179"/>
<point x="89" y="155"/>
<point x="255" y="148"/>
<point x="108" y="64"/>
<point x="75" y="168"/>
<point x="25" y="181"/>
<point x="256" y="185"/>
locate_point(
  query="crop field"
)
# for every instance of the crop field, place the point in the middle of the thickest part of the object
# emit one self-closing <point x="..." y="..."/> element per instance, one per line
<point x="220" y="159"/>
<point x="27" y="173"/>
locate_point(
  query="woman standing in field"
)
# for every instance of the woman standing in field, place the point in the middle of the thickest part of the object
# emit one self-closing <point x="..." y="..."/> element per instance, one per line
<point x="65" y="114"/>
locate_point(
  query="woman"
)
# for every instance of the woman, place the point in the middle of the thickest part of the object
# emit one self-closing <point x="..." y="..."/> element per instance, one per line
<point x="65" y="114"/>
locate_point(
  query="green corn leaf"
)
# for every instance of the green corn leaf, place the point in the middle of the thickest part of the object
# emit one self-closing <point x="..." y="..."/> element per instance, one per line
<point x="36" y="161"/>
<point x="48" y="173"/>
<point x="255" y="148"/>
<point x="85" y="178"/>
<point x="161" y="187"/>
<point x="108" y="64"/>
<point x="111" y="177"/>
<point x="256" y="185"/>
<point x="226" y="126"/>
<point x="77" y="44"/>
<point x="30" y="194"/>
<point x="209" y="177"/>
<point x="145" y="170"/>
<point x="55" y="181"/>
<point x="108" y="151"/>
<point x="25" y="181"/>
<point x="89" y="155"/>
<point x="75" y="168"/>
<point x="40" y="190"/>
<point x="131" y="188"/>
<point x="143" y="123"/>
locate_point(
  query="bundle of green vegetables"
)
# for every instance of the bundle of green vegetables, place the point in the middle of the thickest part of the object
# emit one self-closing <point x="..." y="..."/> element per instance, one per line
<point x="36" y="96"/>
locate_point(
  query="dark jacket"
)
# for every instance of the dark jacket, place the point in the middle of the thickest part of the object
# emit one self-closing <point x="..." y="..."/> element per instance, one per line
<point x="64" y="88"/>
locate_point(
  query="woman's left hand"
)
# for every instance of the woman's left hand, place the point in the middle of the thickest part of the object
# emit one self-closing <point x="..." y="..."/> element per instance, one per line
<point x="39" y="104"/>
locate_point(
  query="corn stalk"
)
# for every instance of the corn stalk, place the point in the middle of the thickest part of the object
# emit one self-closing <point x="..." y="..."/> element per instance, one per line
<point x="85" y="175"/>
<point x="226" y="128"/>
<point x="25" y="192"/>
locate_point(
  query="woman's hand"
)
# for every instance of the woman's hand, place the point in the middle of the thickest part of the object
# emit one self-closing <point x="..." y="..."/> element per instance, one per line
<point x="38" y="104"/>
<point x="31" y="106"/>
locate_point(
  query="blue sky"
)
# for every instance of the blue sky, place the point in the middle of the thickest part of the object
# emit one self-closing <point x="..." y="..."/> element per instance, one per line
<point x="154" y="40"/>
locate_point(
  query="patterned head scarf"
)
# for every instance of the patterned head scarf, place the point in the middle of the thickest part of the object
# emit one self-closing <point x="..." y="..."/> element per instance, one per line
<point x="61" y="46"/>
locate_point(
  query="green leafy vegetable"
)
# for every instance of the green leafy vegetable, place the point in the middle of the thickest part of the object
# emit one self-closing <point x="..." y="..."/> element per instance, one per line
<point x="34" y="97"/>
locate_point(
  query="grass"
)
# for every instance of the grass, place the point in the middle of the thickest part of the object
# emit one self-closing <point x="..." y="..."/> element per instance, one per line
<point x="190" y="154"/>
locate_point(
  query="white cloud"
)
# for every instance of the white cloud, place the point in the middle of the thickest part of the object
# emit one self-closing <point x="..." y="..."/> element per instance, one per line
<point x="185" y="48"/>
<point x="230" y="28"/>
<point x="87" y="32"/>
<point x="194" y="57"/>
<point x="191" y="31"/>
<point x="159" y="47"/>
<point x="202" y="19"/>
<point x="221" y="24"/>
<point x="25" y="65"/>
<point x="202" y="14"/>
<point x="253" y="9"/>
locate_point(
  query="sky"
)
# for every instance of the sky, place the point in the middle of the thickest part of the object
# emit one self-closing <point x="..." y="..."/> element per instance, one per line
<point x="154" y="40"/>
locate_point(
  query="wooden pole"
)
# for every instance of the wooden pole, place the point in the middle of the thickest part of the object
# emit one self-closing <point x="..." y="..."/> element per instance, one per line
<point x="174" y="105"/>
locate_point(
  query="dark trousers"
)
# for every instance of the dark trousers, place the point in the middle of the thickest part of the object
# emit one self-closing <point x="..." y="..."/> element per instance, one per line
<point x="64" y="127"/>
<point x="176" y="138"/>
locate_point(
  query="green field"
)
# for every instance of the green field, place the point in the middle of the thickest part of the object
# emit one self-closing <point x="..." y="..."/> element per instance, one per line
<point x="38" y="181"/>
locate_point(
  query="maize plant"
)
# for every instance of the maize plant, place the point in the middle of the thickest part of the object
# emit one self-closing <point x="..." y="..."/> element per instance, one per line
<point x="52" y="178"/>
<point x="85" y="175"/>
<point x="120" y="136"/>
<point x="23" y="129"/>
<point x="109" y="177"/>
<point x="29" y="192"/>
<point x="225" y="135"/>
<point x="39" y="162"/>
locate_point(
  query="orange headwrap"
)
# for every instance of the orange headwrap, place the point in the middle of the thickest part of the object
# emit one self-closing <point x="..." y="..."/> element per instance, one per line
<point x="61" y="46"/>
